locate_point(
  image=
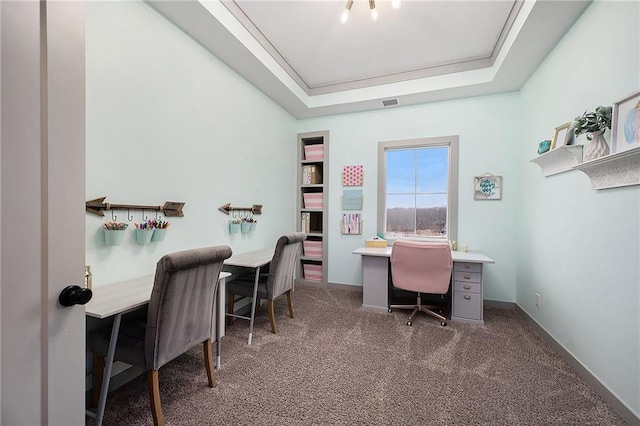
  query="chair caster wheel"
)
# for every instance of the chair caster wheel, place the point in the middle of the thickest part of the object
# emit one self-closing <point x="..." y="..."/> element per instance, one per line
<point x="389" y="310"/>
<point x="444" y="324"/>
<point x="409" y="323"/>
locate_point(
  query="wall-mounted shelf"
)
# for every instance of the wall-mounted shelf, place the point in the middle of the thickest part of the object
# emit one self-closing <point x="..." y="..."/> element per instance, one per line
<point x="614" y="170"/>
<point x="559" y="160"/>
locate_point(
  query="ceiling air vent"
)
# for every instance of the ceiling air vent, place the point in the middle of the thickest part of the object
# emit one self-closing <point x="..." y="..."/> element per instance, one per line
<point x="390" y="102"/>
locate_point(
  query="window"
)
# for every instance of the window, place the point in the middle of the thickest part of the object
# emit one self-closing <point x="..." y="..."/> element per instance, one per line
<point x="418" y="188"/>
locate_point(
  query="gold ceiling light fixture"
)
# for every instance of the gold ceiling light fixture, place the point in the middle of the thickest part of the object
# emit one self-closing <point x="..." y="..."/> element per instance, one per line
<point x="372" y="6"/>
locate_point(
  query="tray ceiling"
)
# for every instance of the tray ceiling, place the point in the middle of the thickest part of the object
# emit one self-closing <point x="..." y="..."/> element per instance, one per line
<point x="301" y="55"/>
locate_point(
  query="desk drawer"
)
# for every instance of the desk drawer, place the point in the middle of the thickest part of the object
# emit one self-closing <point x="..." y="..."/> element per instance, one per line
<point x="468" y="287"/>
<point x="467" y="305"/>
<point x="474" y="277"/>
<point x="467" y="267"/>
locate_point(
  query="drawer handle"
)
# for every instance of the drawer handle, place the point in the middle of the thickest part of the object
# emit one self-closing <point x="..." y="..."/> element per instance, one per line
<point x="466" y="277"/>
<point x="467" y="297"/>
<point x="467" y="266"/>
<point x="466" y="287"/>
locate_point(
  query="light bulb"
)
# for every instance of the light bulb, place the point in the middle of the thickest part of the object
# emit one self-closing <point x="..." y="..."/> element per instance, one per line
<point x="395" y="4"/>
<point x="374" y="14"/>
<point x="345" y="16"/>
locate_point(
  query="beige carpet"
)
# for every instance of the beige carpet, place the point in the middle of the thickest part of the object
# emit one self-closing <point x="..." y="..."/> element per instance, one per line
<point x="336" y="363"/>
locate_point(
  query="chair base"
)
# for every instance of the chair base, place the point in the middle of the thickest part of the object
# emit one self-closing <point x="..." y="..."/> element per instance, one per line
<point x="419" y="307"/>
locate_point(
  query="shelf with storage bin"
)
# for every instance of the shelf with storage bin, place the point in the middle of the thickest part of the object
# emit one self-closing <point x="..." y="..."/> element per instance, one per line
<point x="559" y="160"/>
<point x="312" y="206"/>
<point x="614" y="170"/>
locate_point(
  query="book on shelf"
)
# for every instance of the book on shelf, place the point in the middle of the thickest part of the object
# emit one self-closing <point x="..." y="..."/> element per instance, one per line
<point x="311" y="175"/>
<point x="305" y="222"/>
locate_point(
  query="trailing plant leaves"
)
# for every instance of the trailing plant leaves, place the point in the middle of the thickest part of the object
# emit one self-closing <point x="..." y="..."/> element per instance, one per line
<point x="589" y="122"/>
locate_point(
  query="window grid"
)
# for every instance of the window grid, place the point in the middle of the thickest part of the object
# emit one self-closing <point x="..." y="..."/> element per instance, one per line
<point x="450" y="195"/>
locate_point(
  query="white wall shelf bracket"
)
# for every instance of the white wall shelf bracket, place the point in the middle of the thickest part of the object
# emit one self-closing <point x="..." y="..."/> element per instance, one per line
<point x="614" y="170"/>
<point x="559" y="160"/>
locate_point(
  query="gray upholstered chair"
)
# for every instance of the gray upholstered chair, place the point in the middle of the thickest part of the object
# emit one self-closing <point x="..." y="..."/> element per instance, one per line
<point x="422" y="267"/>
<point x="277" y="282"/>
<point x="179" y="317"/>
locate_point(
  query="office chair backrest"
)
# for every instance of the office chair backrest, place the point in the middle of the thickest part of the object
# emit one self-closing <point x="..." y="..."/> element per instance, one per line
<point x="424" y="267"/>
<point x="280" y="277"/>
<point x="182" y="303"/>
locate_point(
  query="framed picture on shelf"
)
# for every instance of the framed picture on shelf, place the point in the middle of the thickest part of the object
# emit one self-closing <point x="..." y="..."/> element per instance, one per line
<point x="625" y="123"/>
<point x="560" y="136"/>
<point x="487" y="187"/>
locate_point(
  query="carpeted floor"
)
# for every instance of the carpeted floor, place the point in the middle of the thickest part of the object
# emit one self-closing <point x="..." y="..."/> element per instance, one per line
<point x="336" y="363"/>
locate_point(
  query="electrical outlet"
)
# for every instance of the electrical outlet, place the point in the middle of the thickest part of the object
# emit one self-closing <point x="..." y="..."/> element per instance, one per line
<point x="537" y="300"/>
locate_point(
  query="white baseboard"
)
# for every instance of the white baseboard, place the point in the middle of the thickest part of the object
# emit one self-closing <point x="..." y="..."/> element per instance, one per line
<point x="627" y="414"/>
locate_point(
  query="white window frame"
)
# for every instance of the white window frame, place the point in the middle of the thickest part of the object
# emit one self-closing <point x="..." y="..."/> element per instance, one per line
<point x="450" y="142"/>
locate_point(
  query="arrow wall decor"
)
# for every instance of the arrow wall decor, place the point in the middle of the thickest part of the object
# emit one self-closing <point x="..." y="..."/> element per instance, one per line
<point x="255" y="209"/>
<point x="169" y="209"/>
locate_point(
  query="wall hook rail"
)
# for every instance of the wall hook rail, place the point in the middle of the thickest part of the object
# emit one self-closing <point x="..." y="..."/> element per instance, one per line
<point x="169" y="209"/>
<point x="255" y="209"/>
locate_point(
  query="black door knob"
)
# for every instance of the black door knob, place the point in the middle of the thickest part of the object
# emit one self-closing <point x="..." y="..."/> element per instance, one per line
<point x="74" y="295"/>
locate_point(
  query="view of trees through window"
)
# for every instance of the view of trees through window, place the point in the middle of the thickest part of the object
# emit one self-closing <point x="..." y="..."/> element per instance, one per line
<point x="417" y="192"/>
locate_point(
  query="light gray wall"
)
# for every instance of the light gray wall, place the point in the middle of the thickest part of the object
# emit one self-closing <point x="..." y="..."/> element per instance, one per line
<point x="577" y="247"/>
<point x="168" y="121"/>
<point x="489" y="134"/>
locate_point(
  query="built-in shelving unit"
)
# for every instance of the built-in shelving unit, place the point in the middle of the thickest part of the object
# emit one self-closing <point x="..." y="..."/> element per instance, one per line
<point x="614" y="170"/>
<point x="312" y="205"/>
<point x="559" y="160"/>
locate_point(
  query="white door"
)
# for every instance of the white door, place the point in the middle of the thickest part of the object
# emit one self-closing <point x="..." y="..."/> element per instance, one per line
<point x="42" y="345"/>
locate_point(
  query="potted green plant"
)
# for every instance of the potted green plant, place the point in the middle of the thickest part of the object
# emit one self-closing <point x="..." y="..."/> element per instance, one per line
<point x="594" y="124"/>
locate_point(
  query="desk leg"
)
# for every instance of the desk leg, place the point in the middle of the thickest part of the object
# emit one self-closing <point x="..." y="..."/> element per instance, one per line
<point x="102" y="402"/>
<point x="375" y="282"/>
<point x="219" y="317"/>
<point x="253" y="304"/>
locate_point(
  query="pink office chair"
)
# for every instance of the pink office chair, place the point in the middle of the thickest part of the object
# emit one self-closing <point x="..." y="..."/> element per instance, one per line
<point x="423" y="267"/>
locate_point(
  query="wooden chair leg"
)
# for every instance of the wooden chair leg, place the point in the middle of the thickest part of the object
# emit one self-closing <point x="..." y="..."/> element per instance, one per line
<point x="154" y="397"/>
<point x="230" y="303"/>
<point x="208" y="363"/>
<point x="272" y="318"/>
<point x="98" y="375"/>
<point x="290" y="304"/>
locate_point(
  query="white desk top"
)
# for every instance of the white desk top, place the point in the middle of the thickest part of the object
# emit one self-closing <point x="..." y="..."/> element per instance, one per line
<point x="251" y="259"/>
<point x="458" y="256"/>
<point x="120" y="297"/>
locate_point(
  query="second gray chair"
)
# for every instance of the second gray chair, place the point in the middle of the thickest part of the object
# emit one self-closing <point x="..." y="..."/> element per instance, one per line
<point x="179" y="317"/>
<point x="279" y="281"/>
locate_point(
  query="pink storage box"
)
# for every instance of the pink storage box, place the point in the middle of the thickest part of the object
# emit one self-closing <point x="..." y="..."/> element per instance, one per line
<point x="314" y="152"/>
<point x="312" y="200"/>
<point x="312" y="272"/>
<point x="312" y="248"/>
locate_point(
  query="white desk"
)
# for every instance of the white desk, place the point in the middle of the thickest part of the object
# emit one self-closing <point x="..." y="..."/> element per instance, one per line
<point x="255" y="259"/>
<point x="466" y="281"/>
<point x="119" y="298"/>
